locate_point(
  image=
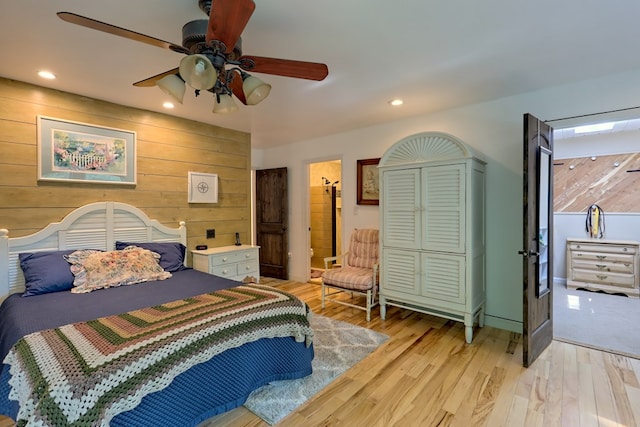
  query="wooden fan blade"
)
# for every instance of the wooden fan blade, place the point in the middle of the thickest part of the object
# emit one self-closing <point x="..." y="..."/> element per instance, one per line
<point x="284" y="67"/>
<point x="151" y="81"/>
<point x="118" y="31"/>
<point x="236" y="87"/>
<point x="227" y="20"/>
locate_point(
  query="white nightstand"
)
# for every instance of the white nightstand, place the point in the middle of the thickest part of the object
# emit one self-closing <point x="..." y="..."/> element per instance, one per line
<point x="241" y="263"/>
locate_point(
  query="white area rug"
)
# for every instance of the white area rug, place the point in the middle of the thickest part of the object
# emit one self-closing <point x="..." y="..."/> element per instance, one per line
<point x="597" y="320"/>
<point x="337" y="346"/>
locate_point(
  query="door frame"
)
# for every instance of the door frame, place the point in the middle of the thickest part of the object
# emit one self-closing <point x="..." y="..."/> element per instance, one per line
<point x="585" y="120"/>
<point x="307" y="203"/>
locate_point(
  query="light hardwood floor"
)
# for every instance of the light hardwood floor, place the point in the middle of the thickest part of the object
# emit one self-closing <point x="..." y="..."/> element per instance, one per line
<point x="426" y="375"/>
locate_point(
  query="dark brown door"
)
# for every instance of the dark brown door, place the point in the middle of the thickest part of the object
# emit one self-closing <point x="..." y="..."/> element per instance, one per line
<point x="537" y="236"/>
<point x="272" y="222"/>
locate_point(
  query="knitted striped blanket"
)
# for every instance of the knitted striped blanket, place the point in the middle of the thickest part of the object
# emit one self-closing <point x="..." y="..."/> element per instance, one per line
<point x="86" y="373"/>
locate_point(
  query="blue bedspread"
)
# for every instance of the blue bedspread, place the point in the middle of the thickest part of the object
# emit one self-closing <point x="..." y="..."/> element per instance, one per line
<point x="205" y="390"/>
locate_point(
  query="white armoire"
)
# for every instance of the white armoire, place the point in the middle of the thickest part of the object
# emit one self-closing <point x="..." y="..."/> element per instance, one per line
<point x="432" y="225"/>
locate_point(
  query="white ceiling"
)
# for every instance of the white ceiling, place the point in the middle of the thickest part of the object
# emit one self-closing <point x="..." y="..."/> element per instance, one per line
<point x="433" y="54"/>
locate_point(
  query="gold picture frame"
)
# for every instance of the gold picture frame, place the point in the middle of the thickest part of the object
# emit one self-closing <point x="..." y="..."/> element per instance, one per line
<point x="368" y="182"/>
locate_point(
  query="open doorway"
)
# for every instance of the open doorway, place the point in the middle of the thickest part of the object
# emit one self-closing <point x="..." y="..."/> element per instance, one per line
<point x="595" y="290"/>
<point x="325" y="209"/>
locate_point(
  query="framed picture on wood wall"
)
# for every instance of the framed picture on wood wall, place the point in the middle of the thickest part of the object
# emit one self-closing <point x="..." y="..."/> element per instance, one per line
<point x="80" y="152"/>
<point x="368" y="185"/>
<point x="203" y="187"/>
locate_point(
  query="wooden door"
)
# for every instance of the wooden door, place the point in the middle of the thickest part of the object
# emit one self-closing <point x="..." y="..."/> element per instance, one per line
<point x="537" y="238"/>
<point x="272" y="222"/>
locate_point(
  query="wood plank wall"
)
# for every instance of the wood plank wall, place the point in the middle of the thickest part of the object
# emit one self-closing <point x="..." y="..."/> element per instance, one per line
<point x="321" y="225"/>
<point x="582" y="181"/>
<point x="167" y="149"/>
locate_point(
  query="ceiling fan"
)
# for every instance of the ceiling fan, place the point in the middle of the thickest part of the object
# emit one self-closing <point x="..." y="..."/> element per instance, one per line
<point x="214" y="60"/>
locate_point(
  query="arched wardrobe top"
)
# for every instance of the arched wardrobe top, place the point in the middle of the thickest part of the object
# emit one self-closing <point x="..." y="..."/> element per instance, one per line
<point x="427" y="147"/>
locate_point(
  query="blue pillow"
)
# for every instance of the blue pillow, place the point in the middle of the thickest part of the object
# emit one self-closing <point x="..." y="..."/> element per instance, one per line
<point x="171" y="253"/>
<point x="46" y="272"/>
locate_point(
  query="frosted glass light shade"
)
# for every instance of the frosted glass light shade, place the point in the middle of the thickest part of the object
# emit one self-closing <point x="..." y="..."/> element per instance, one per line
<point x="173" y="86"/>
<point x="198" y="72"/>
<point x="255" y="90"/>
<point x="224" y="105"/>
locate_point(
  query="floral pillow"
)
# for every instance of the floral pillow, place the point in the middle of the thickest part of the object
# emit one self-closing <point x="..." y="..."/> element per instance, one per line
<point x="97" y="270"/>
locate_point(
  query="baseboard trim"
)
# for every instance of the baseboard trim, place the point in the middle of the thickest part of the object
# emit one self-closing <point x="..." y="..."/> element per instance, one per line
<point x="501" y="323"/>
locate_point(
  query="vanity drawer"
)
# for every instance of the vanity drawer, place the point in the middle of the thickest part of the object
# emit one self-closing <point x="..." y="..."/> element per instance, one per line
<point x="228" y="271"/>
<point x="247" y="268"/>
<point x="605" y="278"/>
<point x="237" y="271"/>
<point x="598" y="248"/>
<point x="608" y="264"/>
<point x="232" y="257"/>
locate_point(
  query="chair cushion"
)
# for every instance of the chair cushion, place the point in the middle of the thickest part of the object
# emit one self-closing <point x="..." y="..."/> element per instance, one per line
<point x="360" y="279"/>
<point x="363" y="248"/>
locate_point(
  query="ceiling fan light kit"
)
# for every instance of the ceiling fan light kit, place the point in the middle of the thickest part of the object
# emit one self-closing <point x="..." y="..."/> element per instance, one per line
<point x="198" y="72"/>
<point x="211" y="46"/>
<point x="224" y="104"/>
<point x="254" y="89"/>
<point x="174" y="86"/>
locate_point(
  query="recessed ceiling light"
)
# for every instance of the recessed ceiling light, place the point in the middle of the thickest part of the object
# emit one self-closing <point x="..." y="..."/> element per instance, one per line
<point x="46" y="75"/>
<point x="396" y="102"/>
<point x="168" y="105"/>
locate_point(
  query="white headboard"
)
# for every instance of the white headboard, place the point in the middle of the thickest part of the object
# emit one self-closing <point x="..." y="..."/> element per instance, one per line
<point x="93" y="226"/>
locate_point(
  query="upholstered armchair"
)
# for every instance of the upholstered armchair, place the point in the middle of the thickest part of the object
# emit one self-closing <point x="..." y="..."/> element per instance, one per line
<point x="355" y="273"/>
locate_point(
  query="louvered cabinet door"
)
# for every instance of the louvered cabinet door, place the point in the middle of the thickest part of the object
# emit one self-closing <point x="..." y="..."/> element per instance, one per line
<point x="443" y="277"/>
<point x="402" y="225"/>
<point x="402" y="276"/>
<point x="443" y="201"/>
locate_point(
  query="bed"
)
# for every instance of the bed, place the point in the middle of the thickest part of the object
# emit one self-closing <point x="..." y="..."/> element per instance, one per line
<point x="173" y="350"/>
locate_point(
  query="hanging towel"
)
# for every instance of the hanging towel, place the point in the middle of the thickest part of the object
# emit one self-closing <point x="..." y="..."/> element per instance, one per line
<point x="595" y="221"/>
